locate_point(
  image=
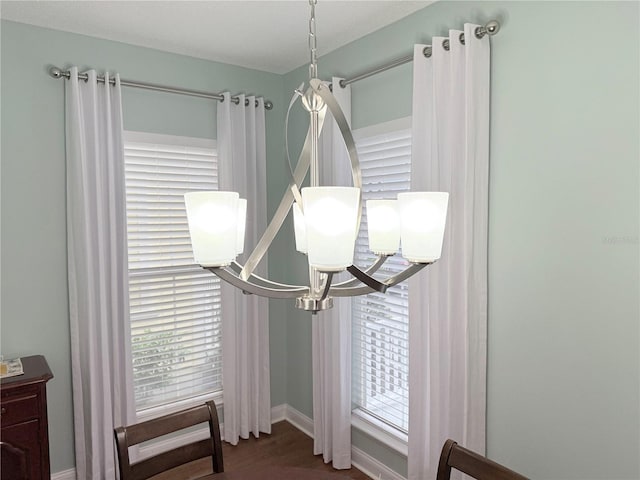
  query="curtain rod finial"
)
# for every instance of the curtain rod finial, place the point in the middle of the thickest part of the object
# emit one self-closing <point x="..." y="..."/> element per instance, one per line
<point x="492" y="27"/>
<point x="55" y="72"/>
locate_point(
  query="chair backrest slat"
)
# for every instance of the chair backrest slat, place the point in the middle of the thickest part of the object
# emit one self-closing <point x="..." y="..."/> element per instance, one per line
<point x="174" y="458"/>
<point x="471" y="463"/>
<point x="134" y="434"/>
<point x="157" y="427"/>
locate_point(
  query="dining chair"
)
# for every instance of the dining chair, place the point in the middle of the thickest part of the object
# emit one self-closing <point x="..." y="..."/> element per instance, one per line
<point x="130" y="435"/>
<point x="474" y="465"/>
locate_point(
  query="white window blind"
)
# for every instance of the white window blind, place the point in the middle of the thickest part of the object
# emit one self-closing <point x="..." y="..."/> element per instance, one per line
<point x="174" y="304"/>
<point x="380" y="321"/>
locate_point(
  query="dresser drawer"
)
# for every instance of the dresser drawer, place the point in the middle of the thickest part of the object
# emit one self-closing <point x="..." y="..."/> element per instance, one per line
<point x="18" y="409"/>
<point x="24" y="430"/>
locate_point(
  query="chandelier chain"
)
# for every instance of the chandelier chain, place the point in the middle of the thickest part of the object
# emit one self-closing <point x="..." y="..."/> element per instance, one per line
<point x="313" y="65"/>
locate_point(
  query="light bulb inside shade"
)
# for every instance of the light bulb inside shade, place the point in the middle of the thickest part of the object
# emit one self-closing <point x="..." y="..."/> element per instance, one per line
<point x="213" y="226"/>
<point x="422" y="222"/>
<point x="299" y="229"/>
<point x="331" y="216"/>
<point x="383" y="226"/>
<point x="242" y="224"/>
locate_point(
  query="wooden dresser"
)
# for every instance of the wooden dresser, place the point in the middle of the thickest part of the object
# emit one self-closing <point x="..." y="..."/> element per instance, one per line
<point x="24" y="433"/>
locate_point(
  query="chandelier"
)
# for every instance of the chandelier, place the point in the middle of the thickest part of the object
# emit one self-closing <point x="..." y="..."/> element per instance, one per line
<point x="326" y="220"/>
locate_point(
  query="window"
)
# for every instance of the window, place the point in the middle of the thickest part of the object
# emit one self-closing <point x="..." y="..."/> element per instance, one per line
<point x="380" y="321"/>
<point x="174" y="304"/>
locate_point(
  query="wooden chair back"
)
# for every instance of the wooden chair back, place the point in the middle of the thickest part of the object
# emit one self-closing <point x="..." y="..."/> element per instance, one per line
<point x="144" y="431"/>
<point x="474" y="465"/>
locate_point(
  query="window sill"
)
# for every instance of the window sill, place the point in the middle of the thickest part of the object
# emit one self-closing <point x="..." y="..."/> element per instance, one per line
<point x="380" y="431"/>
<point x="160" y="410"/>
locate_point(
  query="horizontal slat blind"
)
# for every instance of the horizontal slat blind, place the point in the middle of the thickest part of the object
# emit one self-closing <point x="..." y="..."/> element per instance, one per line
<point x="174" y="304"/>
<point x="380" y="321"/>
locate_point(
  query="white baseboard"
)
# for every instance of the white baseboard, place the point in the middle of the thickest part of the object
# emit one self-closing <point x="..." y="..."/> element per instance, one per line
<point x="372" y="467"/>
<point x="359" y="459"/>
<point x="298" y="420"/>
<point x="278" y="413"/>
<point x="64" y="475"/>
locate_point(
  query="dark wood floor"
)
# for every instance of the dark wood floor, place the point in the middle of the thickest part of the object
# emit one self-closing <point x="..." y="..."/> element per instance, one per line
<point x="286" y="446"/>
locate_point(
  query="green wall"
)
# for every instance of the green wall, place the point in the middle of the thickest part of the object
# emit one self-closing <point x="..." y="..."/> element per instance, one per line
<point x="563" y="361"/>
<point x="564" y="339"/>
<point x="34" y="280"/>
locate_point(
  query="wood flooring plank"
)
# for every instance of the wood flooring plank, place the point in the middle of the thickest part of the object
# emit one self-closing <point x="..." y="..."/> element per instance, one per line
<point x="286" y="446"/>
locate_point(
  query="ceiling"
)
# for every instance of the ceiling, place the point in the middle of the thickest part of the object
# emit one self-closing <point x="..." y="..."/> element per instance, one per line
<point x="265" y="35"/>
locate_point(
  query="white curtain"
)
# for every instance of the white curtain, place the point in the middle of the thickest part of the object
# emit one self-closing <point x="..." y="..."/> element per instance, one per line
<point x="448" y="302"/>
<point x="245" y="318"/>
<point x="97" y="272"/>
<point x="331" y="329"/>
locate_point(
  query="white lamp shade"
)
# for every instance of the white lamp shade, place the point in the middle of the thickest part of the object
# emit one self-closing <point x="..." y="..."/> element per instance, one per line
<point x="383" y="226"/>
<point x="299" y="229"/>
<point x="422" y="220"/>
<point x="331" y="215"/>
<point x="213" y="226"/>
<point x="242" y="224"/>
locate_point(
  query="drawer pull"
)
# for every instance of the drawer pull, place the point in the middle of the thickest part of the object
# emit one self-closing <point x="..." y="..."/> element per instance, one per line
<point x="3" y="410"/>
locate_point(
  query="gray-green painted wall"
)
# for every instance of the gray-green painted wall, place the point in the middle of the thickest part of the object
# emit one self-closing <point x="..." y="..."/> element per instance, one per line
<point x="564" y="339"/>
<point x="34" y="281"/>
<point x="564" y="364"/>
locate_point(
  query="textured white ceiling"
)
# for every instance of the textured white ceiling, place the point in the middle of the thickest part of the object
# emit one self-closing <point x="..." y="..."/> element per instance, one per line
<point x="265" y="35"/>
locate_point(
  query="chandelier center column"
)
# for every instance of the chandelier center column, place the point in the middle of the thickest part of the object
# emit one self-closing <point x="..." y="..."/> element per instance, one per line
<point x="314" y="104"/>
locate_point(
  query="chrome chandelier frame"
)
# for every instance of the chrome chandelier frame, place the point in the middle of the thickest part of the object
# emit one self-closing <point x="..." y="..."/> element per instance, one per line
<point x="318" y="295"/>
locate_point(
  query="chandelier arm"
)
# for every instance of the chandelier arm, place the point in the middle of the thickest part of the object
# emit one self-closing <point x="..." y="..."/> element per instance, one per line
<point x="248" y="287"/>
<point x="283" y="209"/>
<point x="327" y="286"/>
<point x="294" y="186"/>
<point x="367" y="279"/>
<point x="261" y="281"/>
<point x="390" y="282"/>
<point x="369" y="271"/>
<point x="406" y="273"/>
<point x="351" y="291"/>
<point x="333" y="106"/>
